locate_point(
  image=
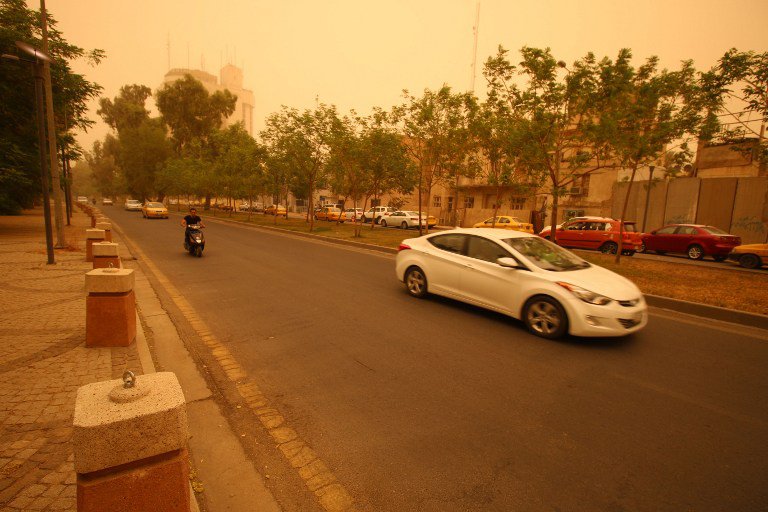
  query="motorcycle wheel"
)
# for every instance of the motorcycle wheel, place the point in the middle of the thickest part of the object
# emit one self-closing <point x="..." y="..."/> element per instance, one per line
<point x="199" y="251"/>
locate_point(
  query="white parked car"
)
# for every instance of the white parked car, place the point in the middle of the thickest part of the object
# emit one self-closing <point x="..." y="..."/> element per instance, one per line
<point x="352" y="214"/>
<point x="408" y="219"/>
<point x="82" y="199"/>
<point x="133" y="205"/>
<point x="377" y="213"/>
<point x="549" y="288"/>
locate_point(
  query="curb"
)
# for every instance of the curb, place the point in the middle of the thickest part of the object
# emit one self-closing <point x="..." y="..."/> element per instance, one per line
<point x="710" y="312"/>
<point x="680" y="306"/>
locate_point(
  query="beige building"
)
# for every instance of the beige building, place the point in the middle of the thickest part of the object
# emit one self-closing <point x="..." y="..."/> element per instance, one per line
<point x="231" y="79"/>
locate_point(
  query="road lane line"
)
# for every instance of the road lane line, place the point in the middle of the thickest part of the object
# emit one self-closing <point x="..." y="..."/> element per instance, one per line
<point x="315" y="474"/>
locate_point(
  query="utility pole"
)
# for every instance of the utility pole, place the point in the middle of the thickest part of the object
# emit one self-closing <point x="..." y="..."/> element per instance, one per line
<point x="475" y="30"/>
<point x="52" y="151"/>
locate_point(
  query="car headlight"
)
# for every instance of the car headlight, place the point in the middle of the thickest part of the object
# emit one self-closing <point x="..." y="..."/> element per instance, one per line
<point x="586" y="295"/>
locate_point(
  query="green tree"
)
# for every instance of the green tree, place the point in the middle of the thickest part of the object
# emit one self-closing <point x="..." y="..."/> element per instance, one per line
<point x="436" y="131"/>
<point x="742" y="77"/>
<point x="301" y="140"/>
<point x="236" y="157"/>
<point x="19" y="160"/>
<point x="191" y="113"/>
<point x="552" y="112"/>
<point x="128" y="109"/>
<point x="640" y="112"/>
<point x="105" y="172"/>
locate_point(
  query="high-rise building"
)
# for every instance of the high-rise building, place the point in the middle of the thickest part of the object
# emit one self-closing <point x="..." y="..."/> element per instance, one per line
<point x="231" y="79"/>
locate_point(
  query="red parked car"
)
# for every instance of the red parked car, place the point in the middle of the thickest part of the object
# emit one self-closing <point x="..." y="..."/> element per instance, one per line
<point x="599" y="233"/>
<point x="695" y="240"/>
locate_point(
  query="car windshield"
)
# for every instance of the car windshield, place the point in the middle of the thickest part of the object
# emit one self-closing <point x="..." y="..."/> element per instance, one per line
<point x="546" y="255"/>
<point x="714" y="231"/>
<point x="155" y="205"/>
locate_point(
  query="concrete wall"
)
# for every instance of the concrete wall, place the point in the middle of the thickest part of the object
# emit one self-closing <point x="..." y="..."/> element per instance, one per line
<point x="750" y="210"/>
<point x="736" y="205"/>
<point x="716" y="197"/>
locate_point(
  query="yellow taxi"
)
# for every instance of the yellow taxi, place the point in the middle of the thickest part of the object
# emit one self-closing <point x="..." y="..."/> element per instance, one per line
<point x="276" y="209"/>
<point x="329" y="213"/>
<point x="750" y="255"/>
<point x="506" y="222"/>
<point x="152" y="210"/>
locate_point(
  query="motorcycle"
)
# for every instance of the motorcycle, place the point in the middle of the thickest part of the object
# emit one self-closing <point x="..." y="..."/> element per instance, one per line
<point x="194" y="241"/>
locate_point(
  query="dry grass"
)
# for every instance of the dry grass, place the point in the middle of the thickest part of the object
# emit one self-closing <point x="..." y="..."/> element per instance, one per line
<point x="716" y="286"/>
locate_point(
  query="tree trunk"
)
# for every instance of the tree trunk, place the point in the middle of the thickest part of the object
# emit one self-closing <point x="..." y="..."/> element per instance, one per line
<point x="624" y="214"/>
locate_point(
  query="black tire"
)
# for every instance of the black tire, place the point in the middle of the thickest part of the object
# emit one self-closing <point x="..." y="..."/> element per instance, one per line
<point x="545" y="317"/>
<point x="749" y="261"/>
<point x="718" y="258"/>
<point x="641" y="249"/>
<point x="695" y="252"/>
<point x="628" y="253"/>
<point x="199" y="251"/>
<point x="416" y="282"/>
<point x="315" y="217"/>
<point x="609" y="248"/>
<point x="383" y="223"/>
<point x="404" y="225"/>
<point x="377" y="220"/>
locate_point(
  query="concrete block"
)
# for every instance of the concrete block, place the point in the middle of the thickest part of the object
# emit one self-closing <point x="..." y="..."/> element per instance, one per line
<point x="107" y="227"/>
<point x="158" y="485"/>
<point x="109" y="432"/>
<point x="109" y="280"/>
<point x="92" y="236"/>
<point x="110" y="319"/>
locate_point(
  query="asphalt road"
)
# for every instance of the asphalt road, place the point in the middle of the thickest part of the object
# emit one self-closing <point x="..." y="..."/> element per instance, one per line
<point x="437" y="406"/>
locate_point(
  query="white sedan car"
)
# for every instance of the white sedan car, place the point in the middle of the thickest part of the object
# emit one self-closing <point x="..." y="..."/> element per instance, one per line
<point x="549" y="288"/>
<point x="408" y="219"/>
<point x="133" y="205"/>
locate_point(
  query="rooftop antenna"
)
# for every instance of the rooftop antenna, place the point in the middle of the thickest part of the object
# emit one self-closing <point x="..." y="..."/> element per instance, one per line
<point x="475" y="29"/>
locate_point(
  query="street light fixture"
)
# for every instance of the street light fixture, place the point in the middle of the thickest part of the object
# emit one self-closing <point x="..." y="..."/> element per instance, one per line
<point x="37" y="66"/>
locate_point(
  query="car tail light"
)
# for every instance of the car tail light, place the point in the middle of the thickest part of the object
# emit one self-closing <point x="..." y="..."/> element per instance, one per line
<point x="403" y="247"/>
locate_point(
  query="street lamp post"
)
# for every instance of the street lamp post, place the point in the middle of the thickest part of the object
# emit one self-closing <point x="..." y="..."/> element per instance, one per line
<point x="37" y="67"/>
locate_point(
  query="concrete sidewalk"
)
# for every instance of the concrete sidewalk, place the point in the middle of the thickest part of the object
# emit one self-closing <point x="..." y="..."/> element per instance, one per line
<point x="43" y="361"/>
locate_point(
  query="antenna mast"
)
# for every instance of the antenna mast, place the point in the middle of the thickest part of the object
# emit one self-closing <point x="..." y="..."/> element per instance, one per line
<point x="475" y="29"/>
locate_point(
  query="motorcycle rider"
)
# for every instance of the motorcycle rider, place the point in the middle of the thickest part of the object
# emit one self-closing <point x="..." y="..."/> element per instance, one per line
<point x="189" y="220"/>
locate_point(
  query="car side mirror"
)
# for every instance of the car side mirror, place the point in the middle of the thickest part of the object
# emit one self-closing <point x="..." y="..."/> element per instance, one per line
<point x="508" y="262"/>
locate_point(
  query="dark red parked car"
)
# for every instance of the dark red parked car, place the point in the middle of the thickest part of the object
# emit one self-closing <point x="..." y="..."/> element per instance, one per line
<point x="695" y="240"/>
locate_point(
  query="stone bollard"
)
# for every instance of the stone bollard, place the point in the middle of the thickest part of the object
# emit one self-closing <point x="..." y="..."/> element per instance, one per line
<point x="105" y="254"/>
<point x="110" y="308"/>
<point x="106" y="226"/>
<point x="92" y="236"/>
<point x="130" y="445"/>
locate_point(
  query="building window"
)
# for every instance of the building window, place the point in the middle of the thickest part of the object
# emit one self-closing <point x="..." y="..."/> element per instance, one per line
<point x="517" y="203"/>
<point x="469" y="201"/>
<point x="450" y="203"/>
<point x="437" y="201"/>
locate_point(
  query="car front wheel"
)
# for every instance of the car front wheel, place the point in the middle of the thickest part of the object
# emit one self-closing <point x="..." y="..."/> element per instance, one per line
<point x="641" y="249"/>
<point x="416" y="282"/>
<point x="545" y="317"/>
<point x="383" y="223"/>
<point x="404" y="225"/>
<point x="749" y="261"/>
<point x="695" y="252"/>
<point x="609" y="248"/>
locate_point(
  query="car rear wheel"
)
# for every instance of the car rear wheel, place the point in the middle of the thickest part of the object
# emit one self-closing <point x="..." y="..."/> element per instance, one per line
<point x="377" y="220"/>
<point x="641" y="249"/>
<point x="609" y="248"/>
<point x="545" y="317"/>
<point x="416" y="282"/>
<point x="383" y="223"/>
<point x="404" y="225"/>
<point x="749" y="261"/>
<point x="695" y="252"/>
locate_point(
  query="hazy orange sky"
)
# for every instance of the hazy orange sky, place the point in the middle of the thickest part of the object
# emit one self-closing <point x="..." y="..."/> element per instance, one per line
<point x="361" y="54"/>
